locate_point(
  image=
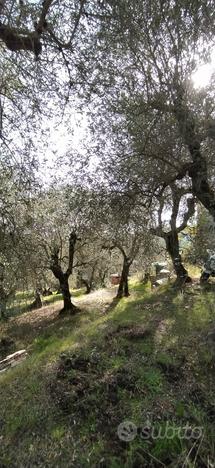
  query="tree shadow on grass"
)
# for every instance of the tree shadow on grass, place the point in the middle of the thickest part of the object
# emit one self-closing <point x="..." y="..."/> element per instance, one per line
<point x="112" y="305"/>
<point x="25" y="329"/>
<point x="168" y="312"/>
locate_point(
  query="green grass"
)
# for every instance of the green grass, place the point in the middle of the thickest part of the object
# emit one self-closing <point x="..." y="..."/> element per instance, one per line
<point x="165" y="379"/>
<point x="23" y="299"/>
<point x="20" y="303"/>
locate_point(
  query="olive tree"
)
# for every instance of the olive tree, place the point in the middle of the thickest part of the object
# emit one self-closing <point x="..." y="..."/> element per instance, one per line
<point x="14" y="219"/>
<point x="156" y="48"/>
<point x="176" y="206"/>
<point x="124" y="227"/>
<point x="60" y="227"/>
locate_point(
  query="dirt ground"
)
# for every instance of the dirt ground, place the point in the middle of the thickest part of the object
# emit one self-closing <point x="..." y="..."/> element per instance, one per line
<point x="37" y="319"/>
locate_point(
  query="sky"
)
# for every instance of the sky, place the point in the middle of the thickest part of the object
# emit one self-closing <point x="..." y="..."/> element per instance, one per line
<point x="202" y="76"/>
<point x="62" y="141"/>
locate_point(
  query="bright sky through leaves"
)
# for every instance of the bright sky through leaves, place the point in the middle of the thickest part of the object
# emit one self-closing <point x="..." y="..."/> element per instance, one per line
<point x="202" y="76"/>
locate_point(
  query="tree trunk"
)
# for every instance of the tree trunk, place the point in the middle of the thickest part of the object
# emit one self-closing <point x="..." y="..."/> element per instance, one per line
<point x="146" y="278"/>
<point x="68" y="306"/>
<point x="63" y="278"/>
<point x="37" y="301"/>
<point x="198" y="170"/>
<point x="87" y="285"/>
<point x="102" y="278"/>
<point x="172" y="246"/>
<point x="88" y="288"/>
<point x="123" y="285"/>
<point x="3" y="314"/>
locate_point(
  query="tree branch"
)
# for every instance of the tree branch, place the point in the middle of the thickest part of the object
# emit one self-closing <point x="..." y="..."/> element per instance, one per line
<point x="77" y="21"/>
<point x="17" y="40"/>
<point x="72" y="242"/>
<point x="189" y="213"/>
<point x="41" y="25"/>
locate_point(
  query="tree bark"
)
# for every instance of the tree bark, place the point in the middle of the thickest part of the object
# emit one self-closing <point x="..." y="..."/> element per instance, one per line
<point x="102" y="278"/>
<point x="123" y="290"/>
<point x="68" y="306"/>
<point x="198" y="171"/>
<point x="171" y="237"/>
<point x="146" y="278"/>
<point x="88" y="283"/>
<point x="37" y="304"/>
<point x="4" y="298"/>
<point x="63" y="278"/>
<point x="172" y="246"/>
<point x="16" y="40"/>
<point x="88" y="286"/>
<point x="3" y="295"/>
<point x="3" y="306"/>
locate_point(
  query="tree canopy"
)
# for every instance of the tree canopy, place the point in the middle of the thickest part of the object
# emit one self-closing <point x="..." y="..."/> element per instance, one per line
<point x="126" y="67"/>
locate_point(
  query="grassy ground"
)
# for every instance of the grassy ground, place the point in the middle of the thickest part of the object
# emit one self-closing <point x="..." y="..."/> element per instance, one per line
<point x="144" y="359"/>
<point x="23" y="300"/>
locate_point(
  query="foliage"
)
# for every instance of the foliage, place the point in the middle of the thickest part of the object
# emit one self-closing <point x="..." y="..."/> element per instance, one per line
<point x="203" y="239"/>
<point x="117" y="199"/>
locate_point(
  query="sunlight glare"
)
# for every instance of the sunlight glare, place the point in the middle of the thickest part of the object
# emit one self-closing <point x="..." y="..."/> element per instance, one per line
<point x="202" y="77"/>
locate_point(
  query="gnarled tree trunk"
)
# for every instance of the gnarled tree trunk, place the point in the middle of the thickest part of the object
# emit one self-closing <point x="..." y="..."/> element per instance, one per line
<point x="63" y="277"/>
<point x="68" y="306"/>
<point x="198" y="170"/>
<point x="123" y="290"/>
<point x="37" y="304"/>
<point x="172" y="246"/>
<point x="171" y="237"/>
<point x="88" y="283"/>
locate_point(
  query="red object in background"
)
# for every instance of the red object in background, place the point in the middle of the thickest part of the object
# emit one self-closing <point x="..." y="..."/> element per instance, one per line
<point x="115" y="279"/>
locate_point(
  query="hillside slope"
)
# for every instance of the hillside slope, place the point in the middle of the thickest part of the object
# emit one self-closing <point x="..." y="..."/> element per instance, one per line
<point x="143" y="360"/>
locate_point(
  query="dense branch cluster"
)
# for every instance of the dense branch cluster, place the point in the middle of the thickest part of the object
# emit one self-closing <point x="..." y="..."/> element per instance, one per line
<point x="148" y="162"/>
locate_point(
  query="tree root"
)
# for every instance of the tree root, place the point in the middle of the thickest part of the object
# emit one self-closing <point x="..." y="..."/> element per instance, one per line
<point x="73" y="310"/>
